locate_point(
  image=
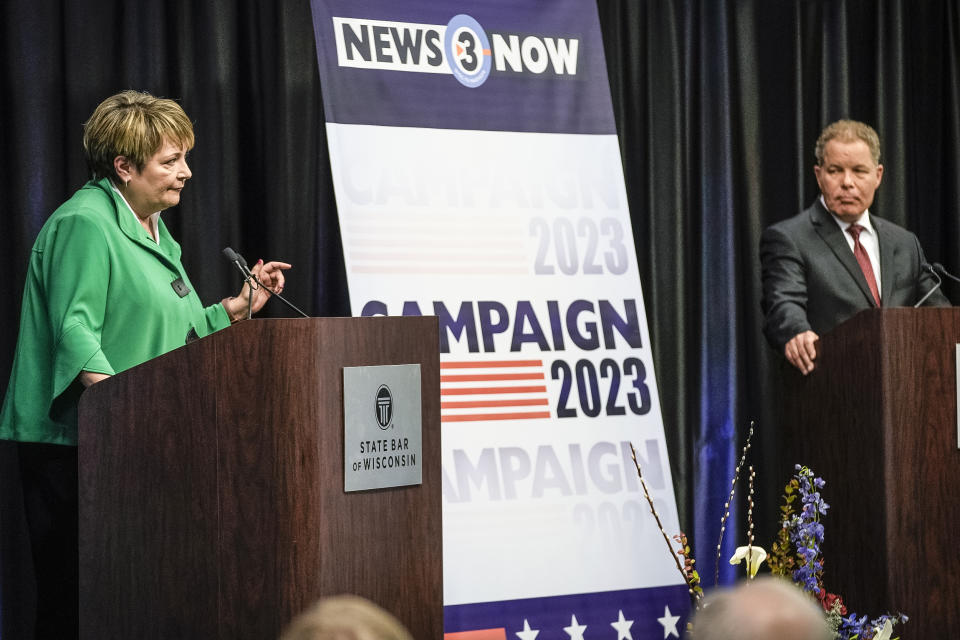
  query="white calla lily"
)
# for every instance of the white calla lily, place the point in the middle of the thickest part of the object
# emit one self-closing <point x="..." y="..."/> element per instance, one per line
<point x="885" y="632"/>
<point x="753" y="555"/>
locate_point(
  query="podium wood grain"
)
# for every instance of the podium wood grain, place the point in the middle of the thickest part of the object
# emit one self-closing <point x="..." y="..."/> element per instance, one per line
<point x="877" y="420"/>
<point x="211" y="486"/>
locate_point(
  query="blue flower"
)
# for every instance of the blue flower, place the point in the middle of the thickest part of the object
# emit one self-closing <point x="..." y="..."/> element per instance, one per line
<point x="806" y="534"/>
<point x="806" y="531"/>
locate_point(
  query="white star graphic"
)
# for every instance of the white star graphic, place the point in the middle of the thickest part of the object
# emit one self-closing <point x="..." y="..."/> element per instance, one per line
<point x="669" y="623"/>
<point x="575" y="630"/>
<point x="527" y="633"/>
<point x="623" y="628"/>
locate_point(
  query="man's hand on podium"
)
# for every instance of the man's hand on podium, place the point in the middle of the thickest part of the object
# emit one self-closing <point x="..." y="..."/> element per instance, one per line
<point x="801" y="351"/>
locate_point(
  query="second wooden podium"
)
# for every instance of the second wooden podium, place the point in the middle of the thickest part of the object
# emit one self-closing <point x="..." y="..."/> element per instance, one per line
<point x="877" y="419"/>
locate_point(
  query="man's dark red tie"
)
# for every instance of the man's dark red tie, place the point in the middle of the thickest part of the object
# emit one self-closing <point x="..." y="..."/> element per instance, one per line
<point x="864" y="261"/>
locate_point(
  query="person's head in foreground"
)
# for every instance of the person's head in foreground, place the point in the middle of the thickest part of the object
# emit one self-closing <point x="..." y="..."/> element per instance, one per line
<point x="345" y="617"/>
<point x="761" y="609"/>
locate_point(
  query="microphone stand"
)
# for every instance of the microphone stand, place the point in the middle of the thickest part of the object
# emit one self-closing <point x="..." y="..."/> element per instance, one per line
<point x="278" y="296"/>
<point x="250" y="278"/>
<point x="932" y="271"/>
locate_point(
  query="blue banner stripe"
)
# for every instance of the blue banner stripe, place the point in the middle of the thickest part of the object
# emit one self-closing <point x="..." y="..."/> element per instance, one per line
<point x="653" y="613"/>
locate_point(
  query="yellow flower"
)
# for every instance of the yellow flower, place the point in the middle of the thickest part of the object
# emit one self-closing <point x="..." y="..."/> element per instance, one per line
<point x="754" y="556"/>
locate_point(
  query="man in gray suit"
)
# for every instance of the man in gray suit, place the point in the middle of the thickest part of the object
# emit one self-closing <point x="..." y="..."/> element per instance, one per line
<point x="834" y="259"/>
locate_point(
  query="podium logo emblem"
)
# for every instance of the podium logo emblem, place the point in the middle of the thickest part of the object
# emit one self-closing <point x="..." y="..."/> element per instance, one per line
<point x="384" y="406"/>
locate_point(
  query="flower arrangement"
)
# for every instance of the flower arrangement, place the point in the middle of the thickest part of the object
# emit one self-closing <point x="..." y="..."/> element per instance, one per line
<point x="798" y="554"/>
<point x="795" y="554"/>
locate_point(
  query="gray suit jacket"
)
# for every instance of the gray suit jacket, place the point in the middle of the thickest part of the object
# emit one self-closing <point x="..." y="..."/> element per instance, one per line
<point x="811" y="280"/>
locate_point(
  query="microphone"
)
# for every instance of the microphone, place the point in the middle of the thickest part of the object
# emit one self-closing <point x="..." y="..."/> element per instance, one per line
<point x="939" y="269"/>
<point x="241" y="264"/>
<point x="932" y="271"/>
<point x="238" y="260"/>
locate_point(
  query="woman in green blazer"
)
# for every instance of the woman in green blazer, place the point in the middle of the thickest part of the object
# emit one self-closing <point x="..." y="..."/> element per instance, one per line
<point x="105" y="291"/>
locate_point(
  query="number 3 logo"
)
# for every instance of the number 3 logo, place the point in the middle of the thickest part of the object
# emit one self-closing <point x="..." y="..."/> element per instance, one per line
<point x="468" y="51"/>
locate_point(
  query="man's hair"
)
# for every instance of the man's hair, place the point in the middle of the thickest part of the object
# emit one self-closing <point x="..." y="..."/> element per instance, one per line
<point x="762" y="609"/>
<point x="345" y="617"/>
<point x="134" y="125"/>
<point x="848" y="131"/>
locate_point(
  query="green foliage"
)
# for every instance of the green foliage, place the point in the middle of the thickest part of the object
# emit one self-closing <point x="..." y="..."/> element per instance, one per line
<point x="782" y="560"/>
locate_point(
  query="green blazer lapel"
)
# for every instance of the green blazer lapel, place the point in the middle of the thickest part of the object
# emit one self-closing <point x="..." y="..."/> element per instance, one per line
<point x="829" y="231"/>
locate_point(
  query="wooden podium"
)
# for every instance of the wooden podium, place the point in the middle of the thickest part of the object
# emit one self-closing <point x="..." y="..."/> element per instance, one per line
<point x="877" y="419"/>
<point x="211" y="486"/>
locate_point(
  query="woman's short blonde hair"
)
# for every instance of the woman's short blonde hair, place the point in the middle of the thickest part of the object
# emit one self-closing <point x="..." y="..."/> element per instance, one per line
<point x="345" y="617"/>
<point x="132" y="124"/>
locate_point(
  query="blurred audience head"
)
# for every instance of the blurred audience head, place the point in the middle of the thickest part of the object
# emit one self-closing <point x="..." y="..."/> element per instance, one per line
<point x="345" y="617"/>
<point x="762" y="609"/>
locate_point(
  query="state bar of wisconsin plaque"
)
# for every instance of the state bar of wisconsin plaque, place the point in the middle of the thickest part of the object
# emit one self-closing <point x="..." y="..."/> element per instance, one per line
<point x="382" y="428"/>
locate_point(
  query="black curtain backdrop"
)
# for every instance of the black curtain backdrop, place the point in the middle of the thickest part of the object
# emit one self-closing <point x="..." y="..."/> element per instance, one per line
<point x="718" y="104"/>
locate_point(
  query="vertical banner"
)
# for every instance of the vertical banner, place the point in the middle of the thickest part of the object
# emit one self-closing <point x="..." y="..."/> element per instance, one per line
<point x="478" y="178"/>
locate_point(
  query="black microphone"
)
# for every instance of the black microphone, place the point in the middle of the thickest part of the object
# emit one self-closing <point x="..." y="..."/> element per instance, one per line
<point x="241" y="264"/>
<point x="939" y="269"/>
<point x="238" y="260"/>
<point x="932" y="271"/>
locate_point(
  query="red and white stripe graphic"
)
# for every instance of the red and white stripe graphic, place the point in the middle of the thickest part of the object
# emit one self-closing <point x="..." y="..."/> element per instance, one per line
<point x="396" y="244"/>
<point x="480" y="634"/>
<point x="482" y="390"/>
